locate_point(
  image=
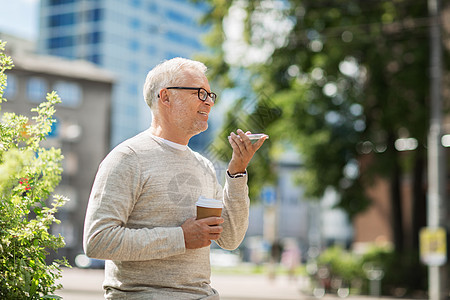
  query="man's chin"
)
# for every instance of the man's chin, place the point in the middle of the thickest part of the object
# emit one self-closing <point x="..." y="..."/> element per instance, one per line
<point x="203" y="127"/>
<point x="200" y="129"/>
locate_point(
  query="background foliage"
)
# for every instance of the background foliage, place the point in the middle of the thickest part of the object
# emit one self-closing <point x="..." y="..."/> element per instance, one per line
<point x="400" y="275"/>
<point x="347" y="79"/>
<point x="29" y="174"/>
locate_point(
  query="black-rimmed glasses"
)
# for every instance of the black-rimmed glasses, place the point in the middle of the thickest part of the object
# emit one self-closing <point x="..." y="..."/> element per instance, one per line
<point x="201" y="92"/>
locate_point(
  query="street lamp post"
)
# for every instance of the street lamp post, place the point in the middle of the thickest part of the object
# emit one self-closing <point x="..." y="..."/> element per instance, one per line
<point x="436" y="214"/>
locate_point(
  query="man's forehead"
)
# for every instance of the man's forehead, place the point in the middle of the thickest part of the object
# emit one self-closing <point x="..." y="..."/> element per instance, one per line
<point x="192" y="75"/>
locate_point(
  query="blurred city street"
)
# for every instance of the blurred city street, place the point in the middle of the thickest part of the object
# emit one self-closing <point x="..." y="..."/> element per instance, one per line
<point x="348" y="196"/>
<point x="86" y="284"/>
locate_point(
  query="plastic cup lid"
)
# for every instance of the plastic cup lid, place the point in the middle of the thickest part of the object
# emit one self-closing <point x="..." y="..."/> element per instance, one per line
<point x="208" y="202"/>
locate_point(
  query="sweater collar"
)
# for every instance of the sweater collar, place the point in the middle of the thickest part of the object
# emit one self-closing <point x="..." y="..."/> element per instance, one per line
<point x="170" y="143"/>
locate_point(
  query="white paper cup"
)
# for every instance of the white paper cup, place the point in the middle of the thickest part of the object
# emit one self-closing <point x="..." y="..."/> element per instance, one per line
<point x="207" y="207"/>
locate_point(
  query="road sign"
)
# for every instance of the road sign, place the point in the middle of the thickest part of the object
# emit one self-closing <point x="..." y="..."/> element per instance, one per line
<point x="269" y="195"/>
<point x="433" y="246"/>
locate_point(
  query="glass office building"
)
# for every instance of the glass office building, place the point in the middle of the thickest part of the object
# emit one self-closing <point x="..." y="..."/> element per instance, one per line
<point x="127" y="37"/>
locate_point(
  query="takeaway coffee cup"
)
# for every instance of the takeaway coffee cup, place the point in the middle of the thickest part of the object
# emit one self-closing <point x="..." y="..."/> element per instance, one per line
<point x="207" y="207"/>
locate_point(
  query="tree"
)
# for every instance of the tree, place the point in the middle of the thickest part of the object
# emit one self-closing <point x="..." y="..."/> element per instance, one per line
<point x="29" y="174"/>
<point x="350" y="78"/>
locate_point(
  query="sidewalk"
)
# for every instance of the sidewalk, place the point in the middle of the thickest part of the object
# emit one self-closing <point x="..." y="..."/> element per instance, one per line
<point x="254" y="287"/>
<point x="81" y="284"/>
<point x="85" y="284"/>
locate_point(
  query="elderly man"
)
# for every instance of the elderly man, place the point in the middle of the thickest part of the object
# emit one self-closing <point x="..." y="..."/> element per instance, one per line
<point x="141" y="212"/>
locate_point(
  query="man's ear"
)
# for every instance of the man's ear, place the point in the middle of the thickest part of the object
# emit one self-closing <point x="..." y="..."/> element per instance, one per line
<point x="164" y="97"/>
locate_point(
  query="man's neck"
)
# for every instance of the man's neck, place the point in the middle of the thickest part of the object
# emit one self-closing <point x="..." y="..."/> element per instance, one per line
<point x="170" y="136"/>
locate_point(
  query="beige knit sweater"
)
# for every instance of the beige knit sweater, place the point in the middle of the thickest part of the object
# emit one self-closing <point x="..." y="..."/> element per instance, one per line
<point x="143" y="192"/>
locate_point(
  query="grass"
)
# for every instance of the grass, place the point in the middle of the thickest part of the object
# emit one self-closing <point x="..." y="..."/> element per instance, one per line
<point x="254" y="269"/>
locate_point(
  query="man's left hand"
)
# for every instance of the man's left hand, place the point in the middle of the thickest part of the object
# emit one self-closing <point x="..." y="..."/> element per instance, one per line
<point x="243" y="150"/>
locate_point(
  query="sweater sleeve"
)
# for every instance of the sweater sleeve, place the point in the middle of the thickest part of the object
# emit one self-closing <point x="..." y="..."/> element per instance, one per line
<point x="235" y="212"/>
<point x="115" y="191"/>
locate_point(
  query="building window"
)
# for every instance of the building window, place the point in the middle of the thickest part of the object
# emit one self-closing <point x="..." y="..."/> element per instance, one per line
<point x="69" y="92"/>
<point x="61" y="42"/>
<point x="95" y="58"/>
<point x="182" y="39"/>
<point x="94" y="15"/>
<point x="62" y="20"/>
<point x="63" y="52"/>
<point x="93" y="37"/>
<point x="11" y="88"/>
<point x="59" y="2"/>
<point x="37" y="88"/>
<point x="180" y="18"/>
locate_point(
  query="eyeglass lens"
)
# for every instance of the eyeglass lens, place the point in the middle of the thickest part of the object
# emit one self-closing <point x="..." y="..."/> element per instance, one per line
<point x="203" y="95"/>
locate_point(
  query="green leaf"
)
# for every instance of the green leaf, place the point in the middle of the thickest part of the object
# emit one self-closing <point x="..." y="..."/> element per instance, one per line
<point x="28" y="174"/>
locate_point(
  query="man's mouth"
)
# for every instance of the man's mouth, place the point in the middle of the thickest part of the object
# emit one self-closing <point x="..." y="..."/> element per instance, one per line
<point x="203" y="113"/>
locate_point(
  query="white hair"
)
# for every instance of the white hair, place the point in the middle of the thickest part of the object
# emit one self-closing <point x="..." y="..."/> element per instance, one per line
<point x="166" y="74"/>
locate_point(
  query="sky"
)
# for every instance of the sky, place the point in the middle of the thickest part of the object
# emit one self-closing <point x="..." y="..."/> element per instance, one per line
<point x="19" y="17"/>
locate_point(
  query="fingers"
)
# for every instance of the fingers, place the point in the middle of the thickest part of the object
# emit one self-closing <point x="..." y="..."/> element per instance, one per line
<point x="243" y="149"/>
<point x="212" y="221"/>
<point x="246" y="144"/>
<point x="244" y="140"/>
<point x="234" y="142"/>
<point x="240" y="142"/>
<point x="199" y="233"/>
<point x="213" y="230"/>
<point x="259" y="143"/>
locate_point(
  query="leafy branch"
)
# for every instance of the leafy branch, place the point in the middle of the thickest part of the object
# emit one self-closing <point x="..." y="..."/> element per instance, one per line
<point x="29" y="174"/>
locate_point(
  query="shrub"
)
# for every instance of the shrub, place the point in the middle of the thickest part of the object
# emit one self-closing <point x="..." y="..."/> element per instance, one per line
<point x="402" y="274"/>
<point x="29" y="174"/>
<point x="343" y="269"/>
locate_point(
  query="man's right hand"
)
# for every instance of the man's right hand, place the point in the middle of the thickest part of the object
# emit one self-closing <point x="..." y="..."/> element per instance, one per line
<point x="199" y="233"/>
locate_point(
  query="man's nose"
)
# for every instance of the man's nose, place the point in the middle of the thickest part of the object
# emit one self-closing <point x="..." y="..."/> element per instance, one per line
<point x="209" y="101"/>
